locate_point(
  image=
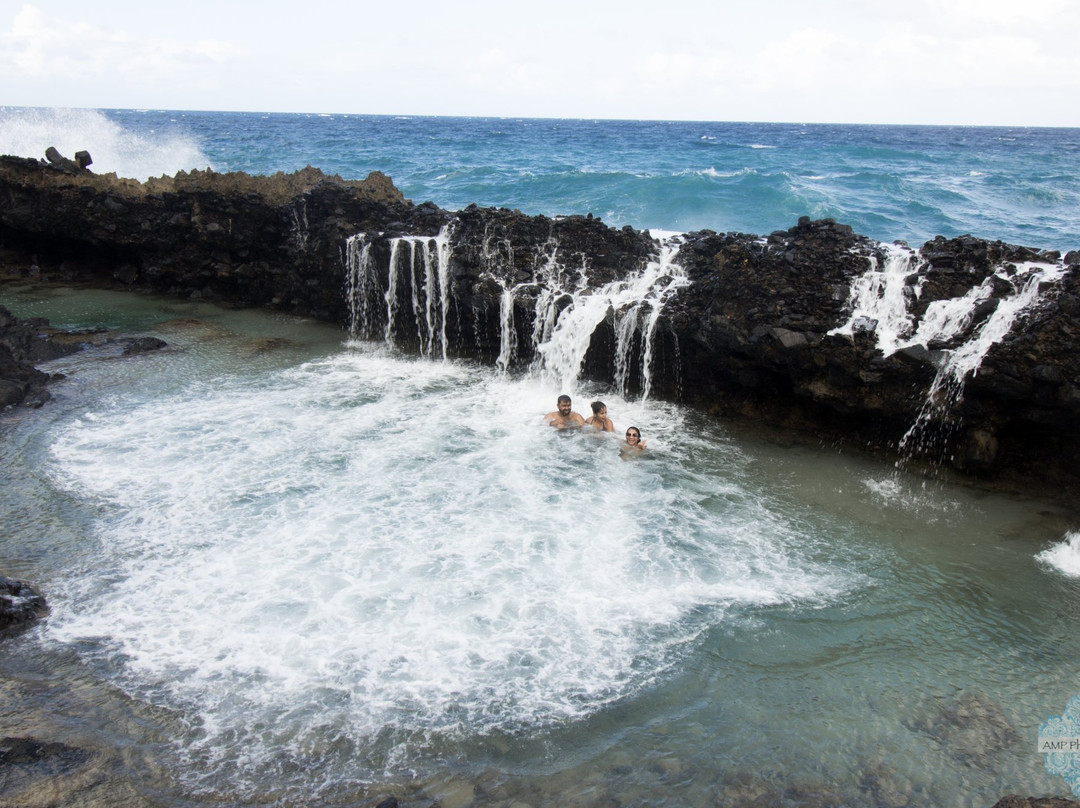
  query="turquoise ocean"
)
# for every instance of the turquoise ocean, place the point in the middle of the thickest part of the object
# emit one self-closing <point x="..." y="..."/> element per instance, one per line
<point x="1018" y="184"/>
<point x="288" y="568"/>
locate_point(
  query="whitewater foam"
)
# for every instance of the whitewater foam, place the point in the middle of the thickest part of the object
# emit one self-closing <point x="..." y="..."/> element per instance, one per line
<point x="1064" y="556"/>
<point x="396" y="552"/>
<point x="28" y="132"/>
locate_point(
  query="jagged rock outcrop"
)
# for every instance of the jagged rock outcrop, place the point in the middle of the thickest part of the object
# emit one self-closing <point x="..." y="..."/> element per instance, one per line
<point x="754" y="324"/>
<point x="21" y="383"/>
<point x="759" y="329"/>
<point x="757" y="336"/>
<point x="251" y="241"/>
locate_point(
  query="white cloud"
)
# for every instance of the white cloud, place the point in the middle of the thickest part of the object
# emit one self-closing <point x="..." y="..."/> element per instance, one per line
<point x="800" y="60"/>
<point x="948" y="61"/>
<point x="675" y="68"/>
<point x="998" y="12"/>
<point x="38" y="48"/>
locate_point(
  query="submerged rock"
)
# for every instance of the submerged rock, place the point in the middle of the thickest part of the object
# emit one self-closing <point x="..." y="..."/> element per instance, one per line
<point x="25" y="342"/>
<point x="20" y="604"/>
<point x="131" y="346"/>
<point x="972" y="729"/>
<point x="26" y="763"/>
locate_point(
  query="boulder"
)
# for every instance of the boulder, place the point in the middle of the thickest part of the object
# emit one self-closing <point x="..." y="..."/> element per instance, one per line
<point x="20" y="604"/>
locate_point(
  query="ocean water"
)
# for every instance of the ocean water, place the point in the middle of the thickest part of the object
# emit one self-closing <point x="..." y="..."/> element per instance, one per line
<point x="289" y="567"/>
<point x="912" y="183"/>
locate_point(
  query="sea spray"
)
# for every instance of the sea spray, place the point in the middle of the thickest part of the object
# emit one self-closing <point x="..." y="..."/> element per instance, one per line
<point x="1064" y="556"/>
<point x="28" y="132"/>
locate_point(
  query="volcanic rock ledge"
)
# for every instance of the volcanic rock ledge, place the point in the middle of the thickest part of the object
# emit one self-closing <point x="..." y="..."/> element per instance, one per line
<point x="753" y="334"/>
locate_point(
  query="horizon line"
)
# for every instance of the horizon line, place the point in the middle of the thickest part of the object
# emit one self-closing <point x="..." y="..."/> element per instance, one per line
<point x="598" y="119"/>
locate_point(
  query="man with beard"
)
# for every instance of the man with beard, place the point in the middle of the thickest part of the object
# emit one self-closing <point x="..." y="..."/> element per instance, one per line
<point x="564" y="417"/>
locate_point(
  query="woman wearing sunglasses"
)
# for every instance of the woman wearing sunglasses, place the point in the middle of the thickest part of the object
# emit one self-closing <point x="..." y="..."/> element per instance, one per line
<point x="634" y="445"/>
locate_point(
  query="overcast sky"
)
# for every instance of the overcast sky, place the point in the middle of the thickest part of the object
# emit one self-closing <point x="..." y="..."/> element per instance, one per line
<point x="1008" y="62"/>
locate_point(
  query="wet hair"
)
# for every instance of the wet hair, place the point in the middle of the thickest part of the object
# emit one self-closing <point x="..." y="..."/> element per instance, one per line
<point x="597" y="406"/>
<point x="563" y="398"/>
<point x="638" y="431"/>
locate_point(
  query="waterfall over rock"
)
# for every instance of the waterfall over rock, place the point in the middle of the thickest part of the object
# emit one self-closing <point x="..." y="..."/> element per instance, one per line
<point x="963" y="352"/>
<point x="548" y="313"/>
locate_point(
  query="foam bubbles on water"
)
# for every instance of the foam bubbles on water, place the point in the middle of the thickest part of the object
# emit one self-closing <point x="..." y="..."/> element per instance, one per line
<point x="28" y="132"/>
<point x="1064" y="556"/>
<point x="398" y="555"/>
<point x="917" y="497"/>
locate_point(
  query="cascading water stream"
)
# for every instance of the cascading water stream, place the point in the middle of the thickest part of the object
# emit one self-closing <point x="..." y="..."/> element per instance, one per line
<point x="880" y="301"/>
<point x="422" y="263"/>
<point x="361" y="284"/>
<point x="880" y="297"/>
<point x="565" y="311"/>
<point x="561" y="337"/>
<point x="945" y="319"/>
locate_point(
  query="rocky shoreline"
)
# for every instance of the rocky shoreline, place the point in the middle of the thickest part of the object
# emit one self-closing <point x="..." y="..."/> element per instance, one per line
<point x="754" y="334"/>
<point x="25" y="343"/>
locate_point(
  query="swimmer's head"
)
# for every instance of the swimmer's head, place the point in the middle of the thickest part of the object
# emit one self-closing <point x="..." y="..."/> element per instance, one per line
<point x="599" y="408"/>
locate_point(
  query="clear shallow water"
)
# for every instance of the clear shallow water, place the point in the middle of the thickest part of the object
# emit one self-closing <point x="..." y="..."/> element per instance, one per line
<point x="284" y="569"/>
<point x="1017" y="184"/>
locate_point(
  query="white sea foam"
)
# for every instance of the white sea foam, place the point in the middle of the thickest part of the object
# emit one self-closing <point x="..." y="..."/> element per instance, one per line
<point x="28" y="132"/>
<point x="879" y="297"/>
<point x="911" y="496"/>
<point x="712" y="172"/>
<point x="1064" y="556"/>
<point x="395" y="552"/>
<point x="882" y="298"/>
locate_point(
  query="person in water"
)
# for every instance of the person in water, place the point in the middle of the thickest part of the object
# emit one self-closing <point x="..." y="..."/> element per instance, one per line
<point x="599" y="419"/>
<point x="634" y="445"/>
<point x="564" y="417"/>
